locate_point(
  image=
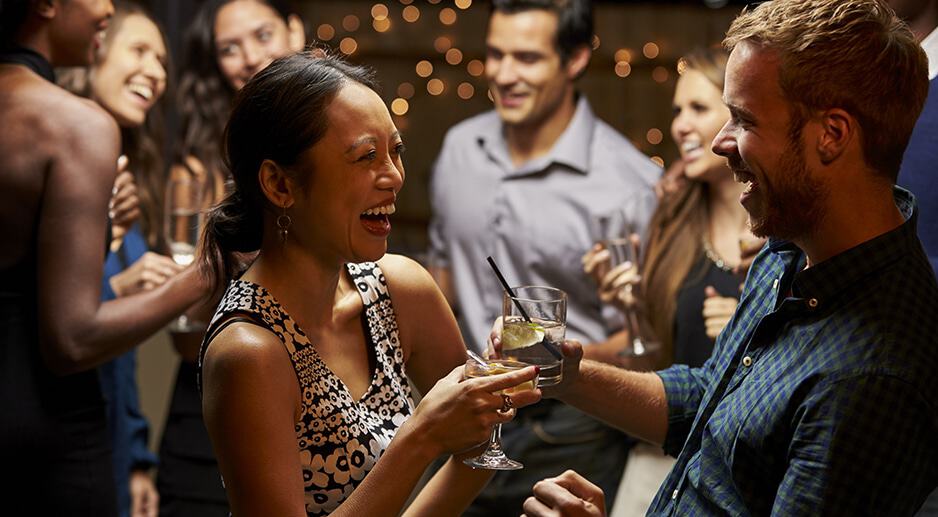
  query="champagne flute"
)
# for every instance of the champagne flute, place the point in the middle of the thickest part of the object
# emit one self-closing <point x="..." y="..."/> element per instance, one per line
<point x="616" y="233"/>
<point x="181" y="225"/>
<point x="494" y="458"/>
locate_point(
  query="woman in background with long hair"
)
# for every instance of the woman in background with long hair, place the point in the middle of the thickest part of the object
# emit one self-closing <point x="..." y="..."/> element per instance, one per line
<point x="227" y="43"/>
<point x="690" y="276"/>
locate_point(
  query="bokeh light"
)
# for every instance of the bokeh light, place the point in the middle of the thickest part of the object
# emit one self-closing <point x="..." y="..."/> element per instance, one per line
<point x="325" y="32"/>
<point x="442" y="44"/>
<point x="405" y="90"/>
<point x="463" y="4"/>
<point x="411" y="14"/>
<point x="489" y="95"/>
<point x="659" y="160"/>
<point x="623" y="54"/>
<point x="407" y="2"/>
<point x="681" y="66"/>
<point x="447" y="16"/>
<point x="623" y="69"/>
<point x="348" y="46"/>
<point x="651" y="50"/>
<point x="435" y="86"/>
<point x="424" y="68"/>
<point x="382" y="25"/>
<point x="465" y="91"/>
<point x="654" y="136"/>
<point x="475" y="68"/>
<point x="399" y="106"/>
<point x="379" y="11"/>
<point x="454" y="56"/>
<point x="660" y="74"/>
<point x="351" y="23"/>
<point x="596" y="42"/>
<point x="434" y="2"/>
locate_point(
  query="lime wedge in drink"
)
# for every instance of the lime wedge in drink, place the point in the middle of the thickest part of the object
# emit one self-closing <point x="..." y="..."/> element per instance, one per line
<point x="520" y="335"/>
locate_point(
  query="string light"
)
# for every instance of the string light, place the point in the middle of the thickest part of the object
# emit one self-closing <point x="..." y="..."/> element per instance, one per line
<point x="447" y="16"/>
<point x="454" y="56"/>
<point x="405" y="90"/>
<point x="623" y="69"/>
<point x="651" y="50"/>
<point x="442" y="44"/>
<point x="410" y="14"/>
<point x="424" y="68"/>
<point x="463" y="4"/>
<point x="348" y="46"/>
<point x="654" y="136"/>
<point x="351" y="23"/>
<point x="465" y="91"/>
<point x="475" y="68"/>
<point x="399" y="106"/>
<point x="325" y="32"/>
<point x="379" y="11"/>
<point x="435" y="86"/>
<point x="623" y="54"/>
<point x="381" y="25"/>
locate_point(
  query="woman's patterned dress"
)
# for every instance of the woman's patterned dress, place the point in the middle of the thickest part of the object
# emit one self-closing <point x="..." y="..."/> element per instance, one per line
<point x="339" y="438"/>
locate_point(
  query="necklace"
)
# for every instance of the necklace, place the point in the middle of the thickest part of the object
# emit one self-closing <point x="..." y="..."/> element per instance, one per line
<point x="714" y="257"/>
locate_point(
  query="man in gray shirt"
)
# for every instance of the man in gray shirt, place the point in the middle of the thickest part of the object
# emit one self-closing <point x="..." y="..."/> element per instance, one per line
<point x="522" y="183"/>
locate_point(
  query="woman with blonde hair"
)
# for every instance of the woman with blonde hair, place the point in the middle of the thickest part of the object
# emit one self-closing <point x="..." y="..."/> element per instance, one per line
<point x="694" y="259"/>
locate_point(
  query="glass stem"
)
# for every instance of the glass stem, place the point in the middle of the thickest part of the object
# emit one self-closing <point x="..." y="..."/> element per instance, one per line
<point x="495" y="442"/>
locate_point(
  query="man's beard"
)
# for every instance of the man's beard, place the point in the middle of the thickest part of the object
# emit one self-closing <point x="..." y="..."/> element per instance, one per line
<point x="794" y="206"/>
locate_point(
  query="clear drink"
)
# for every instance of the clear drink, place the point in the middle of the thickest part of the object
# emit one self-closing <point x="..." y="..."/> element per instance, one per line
<point x="536" y="343"/>
<point x="499" y="366"/>
<point x="182" y="228"/>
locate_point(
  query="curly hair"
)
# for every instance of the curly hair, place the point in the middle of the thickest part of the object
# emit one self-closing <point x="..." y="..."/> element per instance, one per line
<point x="852" y="54"/>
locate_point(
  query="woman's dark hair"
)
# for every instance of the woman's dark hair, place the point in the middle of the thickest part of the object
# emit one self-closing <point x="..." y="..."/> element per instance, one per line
<point x="204" y="95"/>
<point x="143" y="145"/>
<point x="574" y="20"/>
<point x="278" y="115"/>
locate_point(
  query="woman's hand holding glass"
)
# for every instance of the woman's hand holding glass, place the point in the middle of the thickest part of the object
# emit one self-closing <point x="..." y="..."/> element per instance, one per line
<point x="459" y="413"/>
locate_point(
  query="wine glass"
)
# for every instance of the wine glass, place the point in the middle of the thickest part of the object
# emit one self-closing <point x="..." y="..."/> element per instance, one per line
<point x="181" y="225"/>
<point x="615" y="232"/>
<point x="494" y="458"/>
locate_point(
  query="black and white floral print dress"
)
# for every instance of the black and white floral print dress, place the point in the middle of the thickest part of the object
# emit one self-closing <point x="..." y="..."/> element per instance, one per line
<point x="339" y="438"/>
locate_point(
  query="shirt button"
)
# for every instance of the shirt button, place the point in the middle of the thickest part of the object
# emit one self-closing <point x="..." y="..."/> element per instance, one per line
<point x="812" y="303"/>
<point x="747" y="361"/>
<point x="674" y="494"/>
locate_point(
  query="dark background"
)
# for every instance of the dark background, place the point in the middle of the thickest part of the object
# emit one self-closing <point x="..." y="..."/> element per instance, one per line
<point x="638" y="104"/>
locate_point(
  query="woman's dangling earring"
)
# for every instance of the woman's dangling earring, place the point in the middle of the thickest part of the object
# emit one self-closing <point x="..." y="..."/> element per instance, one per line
<point x="283" y="224"/>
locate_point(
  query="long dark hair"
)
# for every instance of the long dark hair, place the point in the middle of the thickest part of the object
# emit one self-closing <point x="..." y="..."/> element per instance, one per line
<point x="278" y="114"/>
<point x="204" y="95"/>
<point x="143" y="144"/>
<point x="677" y="227"/>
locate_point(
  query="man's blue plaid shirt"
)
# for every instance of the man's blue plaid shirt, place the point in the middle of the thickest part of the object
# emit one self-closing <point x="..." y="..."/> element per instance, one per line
<point x="821" y="397"/>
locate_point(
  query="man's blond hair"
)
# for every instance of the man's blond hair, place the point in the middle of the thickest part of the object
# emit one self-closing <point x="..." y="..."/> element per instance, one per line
<point x="850" y="54"/>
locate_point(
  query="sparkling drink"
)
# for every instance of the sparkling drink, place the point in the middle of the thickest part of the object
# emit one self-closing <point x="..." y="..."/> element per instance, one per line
<point x="182" y="229"/>
<point x="532" y="342"/>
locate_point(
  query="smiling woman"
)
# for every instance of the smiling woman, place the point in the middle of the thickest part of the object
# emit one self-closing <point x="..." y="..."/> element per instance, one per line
<point x="307" y="353"/>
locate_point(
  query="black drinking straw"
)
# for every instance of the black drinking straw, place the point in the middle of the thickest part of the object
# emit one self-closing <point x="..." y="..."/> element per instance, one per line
<point x="511" y="293"/>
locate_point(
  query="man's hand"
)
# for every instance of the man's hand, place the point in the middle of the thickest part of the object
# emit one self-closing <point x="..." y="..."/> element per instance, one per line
<point x="144" y="500"/>
<point x="567" y="495"/>
<point x="572" y="352"/>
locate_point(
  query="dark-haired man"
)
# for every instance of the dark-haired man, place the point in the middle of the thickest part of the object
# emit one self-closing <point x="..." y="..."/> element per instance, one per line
<point x="521" y="184"/>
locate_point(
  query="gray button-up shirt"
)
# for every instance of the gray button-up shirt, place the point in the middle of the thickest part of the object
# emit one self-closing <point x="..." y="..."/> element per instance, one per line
<point x="534" y="220"/>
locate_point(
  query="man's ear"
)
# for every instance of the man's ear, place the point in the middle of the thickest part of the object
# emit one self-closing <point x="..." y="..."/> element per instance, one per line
<point x="838" y="129"/>
<point x="296" y="33"/>
<point x="578" y="61"/>
<point x="276" y="185"/>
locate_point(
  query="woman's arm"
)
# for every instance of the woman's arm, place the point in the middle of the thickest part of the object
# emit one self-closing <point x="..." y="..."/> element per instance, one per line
<point x="250" y="403"/>
<point x="79" y="332"/>
<point x="433" y="345"/>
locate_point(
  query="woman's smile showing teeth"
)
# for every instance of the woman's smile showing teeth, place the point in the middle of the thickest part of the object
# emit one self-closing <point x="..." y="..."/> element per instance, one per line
<point x="375" y="220"/>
